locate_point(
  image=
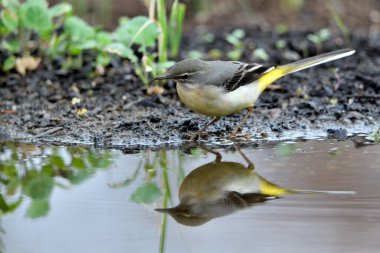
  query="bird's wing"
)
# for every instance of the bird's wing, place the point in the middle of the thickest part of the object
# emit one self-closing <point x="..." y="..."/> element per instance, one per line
<point x="245" y="74"/>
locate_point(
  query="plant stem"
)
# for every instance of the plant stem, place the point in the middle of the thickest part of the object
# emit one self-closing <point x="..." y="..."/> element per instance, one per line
<point x="163" y="38"/>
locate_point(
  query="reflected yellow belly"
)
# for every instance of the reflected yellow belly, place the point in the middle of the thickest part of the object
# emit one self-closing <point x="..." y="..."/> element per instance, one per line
<point x="213" y="101"/>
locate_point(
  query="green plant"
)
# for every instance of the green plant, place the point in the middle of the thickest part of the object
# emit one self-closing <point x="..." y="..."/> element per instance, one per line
<point x="145" y="32"/>
<point x="338" y="20"/>
<point x="177" y="16"/>
<point x="19" y="21"/>
<point x="320" y="37"/>
<point x="235" y="38"/>
<point x="375" y="136"/>
<point x="194" y="54"/>
<point x="170" y="32"/>
<point x="78" y="36"/>
<point x="260" y="54"/>
<point x="281" y="43"/>
<point x="21" y="174"/>
<point x="142" y="32"/>
<point x="33" y="28"/>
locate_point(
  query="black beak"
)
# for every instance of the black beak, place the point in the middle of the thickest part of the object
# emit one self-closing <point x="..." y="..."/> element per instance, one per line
<point x="166" y="76"/>
<point x="162" y="210"/>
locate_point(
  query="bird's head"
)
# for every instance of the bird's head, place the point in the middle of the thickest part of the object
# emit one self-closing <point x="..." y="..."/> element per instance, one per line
<point x="186" y="71"/>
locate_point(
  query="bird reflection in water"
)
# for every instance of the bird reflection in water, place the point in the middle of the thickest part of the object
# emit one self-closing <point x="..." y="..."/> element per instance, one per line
<point x="220" y="188"/>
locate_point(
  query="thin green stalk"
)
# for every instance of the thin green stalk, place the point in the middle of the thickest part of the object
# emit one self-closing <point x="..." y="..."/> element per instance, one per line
<point x="164" y="224"/>
<point x="339" y="22"/>
<point x="177" y="16"/>
<point x="167" y="197"/>
<point x="163" y="38"/>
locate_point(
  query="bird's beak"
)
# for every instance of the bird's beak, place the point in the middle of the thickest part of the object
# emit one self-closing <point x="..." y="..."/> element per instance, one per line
<point x="162" y="210"/>
<point x="166" y="76"/>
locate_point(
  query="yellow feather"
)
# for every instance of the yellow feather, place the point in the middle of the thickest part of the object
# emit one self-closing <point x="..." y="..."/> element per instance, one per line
<point x="274" y="74"/>
<point x="283" y="70"/>
<point x="272" y="189"/>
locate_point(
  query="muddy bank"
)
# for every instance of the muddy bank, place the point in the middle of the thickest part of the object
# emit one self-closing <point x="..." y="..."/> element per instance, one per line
<point x="337" y="98"/>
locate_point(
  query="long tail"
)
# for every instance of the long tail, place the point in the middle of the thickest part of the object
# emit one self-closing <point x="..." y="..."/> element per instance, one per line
<point x="283" y="70"/>
<point x="271" y="189"/>
<point x="320" y="192"/>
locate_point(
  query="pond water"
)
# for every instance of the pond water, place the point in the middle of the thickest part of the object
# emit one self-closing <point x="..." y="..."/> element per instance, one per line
<point x="75" y="199"/>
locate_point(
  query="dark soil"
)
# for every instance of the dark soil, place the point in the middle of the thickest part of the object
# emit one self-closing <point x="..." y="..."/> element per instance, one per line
<point x="317" y="101"/>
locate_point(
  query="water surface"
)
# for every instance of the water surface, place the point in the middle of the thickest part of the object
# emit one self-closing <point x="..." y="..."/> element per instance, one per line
<point x="73" y="199"/>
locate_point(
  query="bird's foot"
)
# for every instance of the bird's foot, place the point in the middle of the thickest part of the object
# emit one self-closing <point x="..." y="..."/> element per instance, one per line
<point x="198" y="135"/>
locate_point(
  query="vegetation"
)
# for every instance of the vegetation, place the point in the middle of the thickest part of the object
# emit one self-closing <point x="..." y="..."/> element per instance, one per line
<point x="319" y="37"/>
<point x="32" y="32"/>
<point x="28" y="170"/>
<point x="235" y="38"/>
<point x="374" y="136"/>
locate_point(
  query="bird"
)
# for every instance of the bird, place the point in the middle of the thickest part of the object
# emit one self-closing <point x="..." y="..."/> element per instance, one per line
<point x="222" y="88"/>
<point x="219" y="188"/>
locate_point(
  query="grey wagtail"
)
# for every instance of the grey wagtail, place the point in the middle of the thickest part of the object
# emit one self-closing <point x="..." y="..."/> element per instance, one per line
<point x="220" y="188"/>
<point x="221" y="88"/>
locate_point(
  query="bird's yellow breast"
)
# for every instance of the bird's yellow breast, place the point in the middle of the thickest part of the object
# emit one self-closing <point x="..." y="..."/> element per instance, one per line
<point x="211" y="100"/>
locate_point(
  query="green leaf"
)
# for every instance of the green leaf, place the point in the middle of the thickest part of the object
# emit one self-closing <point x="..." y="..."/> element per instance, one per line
<point x="48" y="170"/>
<point x="324" y="34"/>
<point x="162" y="67"/>
<point x="313" y="38"/>
<point x="38" y="188"/>
<point x="5" y="207"/>
<point x="146" y="193"/>
<point x="57" y="161"/>
<point x="139" y="30"/>
<point x="260" y="54"/>
<point x="194" y="54"/>
<point x="235" y="37"/>
<point x="196" y="152"/>
<point x="3" y="204"/>
<point x="38" y="208"/>
<point x="12" y="46"/>
<point x="234" y="54"/>
<point x="103" y="38"/>
<point x="9" y="63"/>
<point x="10" y="19"/>
<point x="89" y="44"/>
<point x="78" y="29"/>
<point x="121" y="50"/>
<point x="103" y="59"/>
<point x="36" y="16"/>
<point x="78" y="163"/>
<point x="42" y="3"/>
<point x="13" y="185"/>
<point x="80" y="176"/>
<point x="60" y="9"/>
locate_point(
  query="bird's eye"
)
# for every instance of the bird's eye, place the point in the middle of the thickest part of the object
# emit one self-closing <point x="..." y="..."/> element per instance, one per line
<point x="184" y="76"/>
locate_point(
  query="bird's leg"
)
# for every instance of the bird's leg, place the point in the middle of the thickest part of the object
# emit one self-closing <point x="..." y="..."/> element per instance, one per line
<point x="251" y="166"/>
<point x="218" y="156"/>
<point x="198" y="133"/>
<point x="250" y="109"/>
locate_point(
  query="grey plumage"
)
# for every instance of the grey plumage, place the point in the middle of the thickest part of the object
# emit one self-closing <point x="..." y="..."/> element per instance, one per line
<point x="228" y="75"/>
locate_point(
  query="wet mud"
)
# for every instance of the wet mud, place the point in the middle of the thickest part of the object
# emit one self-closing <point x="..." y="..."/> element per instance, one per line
<point x="334" y="99"/>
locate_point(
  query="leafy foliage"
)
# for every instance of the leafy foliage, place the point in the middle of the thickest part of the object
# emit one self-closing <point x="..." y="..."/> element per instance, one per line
<point x="32" y="27"/>
<point x="146" y="194"/>
<point x="235" y="38"/>
<point x="21" y="176"/>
